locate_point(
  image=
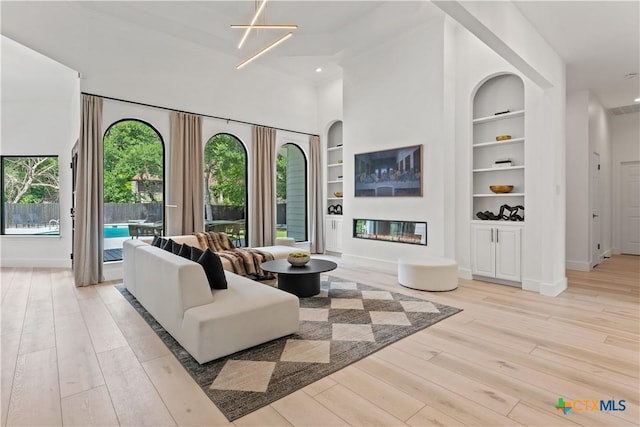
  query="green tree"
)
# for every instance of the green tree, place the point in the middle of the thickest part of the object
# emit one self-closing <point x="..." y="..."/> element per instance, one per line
<point x="132" y="151"/>
<point x="224" y="171"/>
<point x="31" y="179"/>
<point x="281" y="175"/>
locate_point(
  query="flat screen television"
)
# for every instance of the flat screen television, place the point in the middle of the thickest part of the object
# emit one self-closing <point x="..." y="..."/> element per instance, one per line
<point x="390" y="173"/>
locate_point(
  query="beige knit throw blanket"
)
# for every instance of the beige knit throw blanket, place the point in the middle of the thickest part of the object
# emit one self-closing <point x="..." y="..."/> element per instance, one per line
<point x="244" y="261"/>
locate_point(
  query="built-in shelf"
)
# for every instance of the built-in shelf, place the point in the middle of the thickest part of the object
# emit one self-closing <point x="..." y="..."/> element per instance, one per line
<point x="499" y="169"/>
<point x="500" y="195"/>
<point x="505" y="142"/>
<point x="334" y="183"/>
<point x="509" y="115"/>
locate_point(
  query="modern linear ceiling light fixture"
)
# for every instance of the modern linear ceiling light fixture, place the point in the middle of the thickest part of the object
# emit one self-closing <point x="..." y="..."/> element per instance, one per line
<point x="249" y="27"/>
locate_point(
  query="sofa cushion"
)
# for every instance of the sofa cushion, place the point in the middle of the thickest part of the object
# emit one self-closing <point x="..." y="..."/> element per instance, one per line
<point x="212" y="265"/>
<point x="185" y="251"/>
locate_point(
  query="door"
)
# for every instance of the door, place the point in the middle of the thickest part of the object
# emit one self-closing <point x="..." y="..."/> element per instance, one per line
<point x="333" y="234"/>
<point x="630" y="203"/>
<point x="338" y="234"/>
<point x="508" y="253"/>
<point x="483" y="261"/>
<point x="330" y="235"/>
<point x="595" y="208"/>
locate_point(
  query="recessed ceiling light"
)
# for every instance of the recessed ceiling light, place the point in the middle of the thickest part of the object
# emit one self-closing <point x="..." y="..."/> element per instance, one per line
<point x="636" y="100"/>
<point x="318" y="70"/>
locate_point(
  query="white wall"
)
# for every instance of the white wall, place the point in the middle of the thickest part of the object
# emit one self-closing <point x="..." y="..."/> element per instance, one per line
<point x="393" y="97"/>
<point x="600" y="142"/>
<point x="625" y="148"/>
<point x="588" y="131"/>
<point x="578" y="206"/>
<point x="42" y="120"/>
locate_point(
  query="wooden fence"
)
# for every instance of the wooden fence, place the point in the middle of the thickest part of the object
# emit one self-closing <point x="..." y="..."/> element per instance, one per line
<point x="18" y="215"/>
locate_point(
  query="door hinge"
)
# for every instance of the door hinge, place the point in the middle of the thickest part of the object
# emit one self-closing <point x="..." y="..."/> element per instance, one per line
<point x="598" y="245"/>
<point x="598" y="166"/>
<point x="71" y="165"/>
<point x="71" y="256"/>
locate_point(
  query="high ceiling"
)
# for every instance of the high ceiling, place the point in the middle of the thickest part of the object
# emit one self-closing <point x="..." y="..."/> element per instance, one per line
<point x="600" y="41"/>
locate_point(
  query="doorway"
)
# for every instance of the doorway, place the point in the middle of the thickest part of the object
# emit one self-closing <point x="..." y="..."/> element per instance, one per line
<point x="595" y="209"/>
<point x="630" y="212"/>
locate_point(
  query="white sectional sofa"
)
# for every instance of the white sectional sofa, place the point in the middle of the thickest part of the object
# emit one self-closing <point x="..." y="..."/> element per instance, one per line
<point x="209" y="324"/>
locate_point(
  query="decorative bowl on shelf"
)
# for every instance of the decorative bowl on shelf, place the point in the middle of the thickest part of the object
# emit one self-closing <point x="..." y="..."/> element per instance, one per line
<point x="298" y="259"/>
<point x="339" y="161"/>
<point x="338" y="193"/>
<point x="503" y="137"/>
<point x="500" y="189"/>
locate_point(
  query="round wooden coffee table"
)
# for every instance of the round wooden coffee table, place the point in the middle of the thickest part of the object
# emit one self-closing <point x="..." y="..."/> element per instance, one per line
<point x="300" y="281"/>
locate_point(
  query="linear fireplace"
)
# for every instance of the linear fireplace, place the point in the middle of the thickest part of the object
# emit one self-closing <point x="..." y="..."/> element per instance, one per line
<point x="411" y="232"/>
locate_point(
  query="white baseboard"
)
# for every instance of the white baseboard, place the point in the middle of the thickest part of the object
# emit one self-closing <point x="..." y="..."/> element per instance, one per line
<point x="578" y="265"/>
<point x="465" y="273"/>
<point x="530" y="285"/>
<point x="36" y="263"/>
<point x="553" y="289"/>
<point x="375" y="263"/>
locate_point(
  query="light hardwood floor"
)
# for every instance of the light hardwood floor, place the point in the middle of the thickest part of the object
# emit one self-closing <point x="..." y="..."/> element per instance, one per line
<point x="83" y="356"/>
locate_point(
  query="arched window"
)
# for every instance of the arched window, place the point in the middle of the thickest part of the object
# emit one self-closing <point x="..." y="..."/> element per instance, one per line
<point x="291" y="193"/>
<point x="133" y="184"/>
<point x="225" y="187"/>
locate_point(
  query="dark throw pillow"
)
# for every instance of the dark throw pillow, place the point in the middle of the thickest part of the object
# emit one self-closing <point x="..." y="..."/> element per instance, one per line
<point x="212" y="265"/>
<point x="159" y="242"/>
<point x="168" y="245"/>
<point x="185" y="251"/>
<point x="176" y="248"/>
<point x="196" y="253"/>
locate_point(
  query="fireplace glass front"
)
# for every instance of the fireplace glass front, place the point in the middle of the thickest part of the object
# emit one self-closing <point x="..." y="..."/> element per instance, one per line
<point x="411" y="232"/>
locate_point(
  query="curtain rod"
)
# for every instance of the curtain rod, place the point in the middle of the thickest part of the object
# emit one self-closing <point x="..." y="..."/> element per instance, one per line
<point x="203" y="115"/>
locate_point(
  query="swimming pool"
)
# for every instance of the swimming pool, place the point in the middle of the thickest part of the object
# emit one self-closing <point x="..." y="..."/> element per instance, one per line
<point x="116" y="230"/>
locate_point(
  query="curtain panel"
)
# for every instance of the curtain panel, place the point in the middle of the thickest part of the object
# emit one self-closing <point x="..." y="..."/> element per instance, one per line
<point x="89" y="222"/>
<point x="317" y="210"/>
<point x="186" y="192"/>
<point x="263" y="187"/>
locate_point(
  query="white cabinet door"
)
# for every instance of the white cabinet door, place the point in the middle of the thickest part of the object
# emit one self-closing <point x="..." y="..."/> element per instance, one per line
<point x="338" y="225"/>
<point x="483" y="261"/>
<point x="333" y="234"/>
<point x="507" y="241"/>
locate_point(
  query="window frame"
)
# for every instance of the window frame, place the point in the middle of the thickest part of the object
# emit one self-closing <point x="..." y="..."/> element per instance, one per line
<point x="246" y="179"/>
<point x="164" y="170"/>
<point x="306" y="187"/>
<point x="3" y="231"/>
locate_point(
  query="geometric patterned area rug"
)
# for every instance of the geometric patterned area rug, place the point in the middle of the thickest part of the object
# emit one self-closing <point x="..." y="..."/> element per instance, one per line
<point x="344" y="323"/>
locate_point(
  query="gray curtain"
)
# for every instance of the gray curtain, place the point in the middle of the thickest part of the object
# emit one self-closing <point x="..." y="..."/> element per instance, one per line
<point x="263" y="187"/>
<point x="187" y="176"/>
<point x="317" y="211"/>
<point x="89" y="224"/>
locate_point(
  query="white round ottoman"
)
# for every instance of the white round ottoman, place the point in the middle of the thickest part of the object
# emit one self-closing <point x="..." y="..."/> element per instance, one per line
<point x="285" y="241"/>
<point x="428" y="273"/>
